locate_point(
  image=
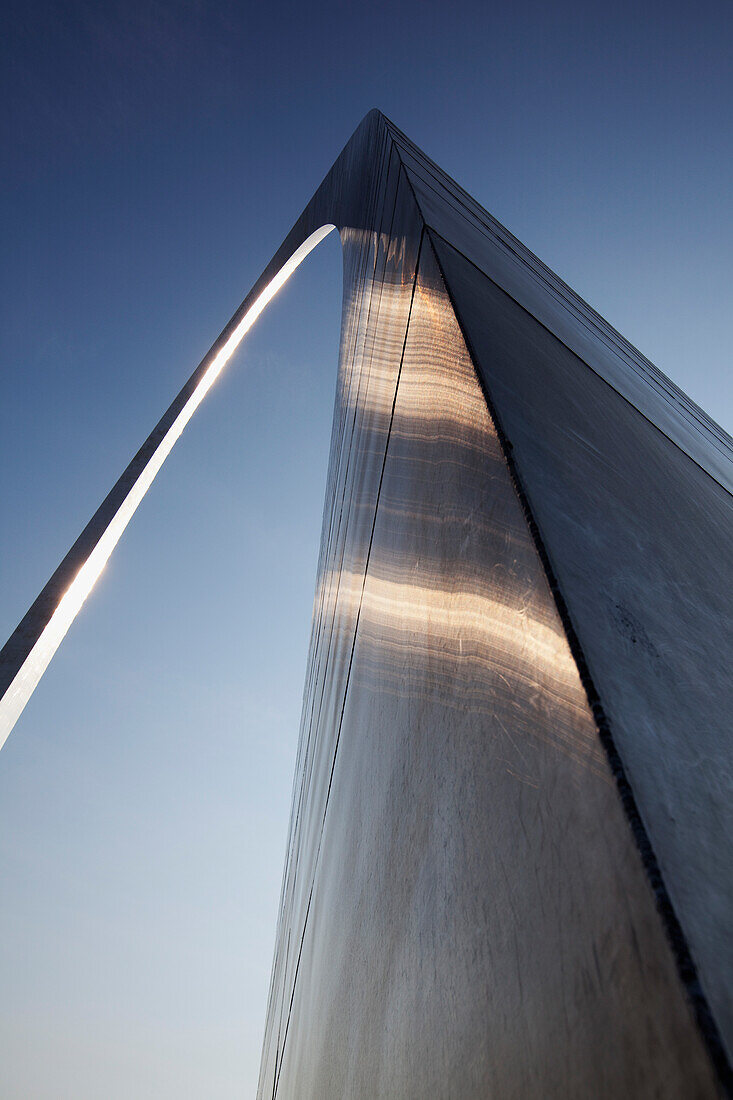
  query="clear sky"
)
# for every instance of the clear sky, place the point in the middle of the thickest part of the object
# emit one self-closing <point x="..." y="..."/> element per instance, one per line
<point x="154" y="156"/>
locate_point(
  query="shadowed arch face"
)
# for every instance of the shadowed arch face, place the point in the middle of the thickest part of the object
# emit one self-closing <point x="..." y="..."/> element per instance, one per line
<point x="466" y="910"/>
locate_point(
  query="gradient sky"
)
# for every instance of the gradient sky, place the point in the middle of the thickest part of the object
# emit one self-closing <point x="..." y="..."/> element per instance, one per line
<point x="154" y="156"/>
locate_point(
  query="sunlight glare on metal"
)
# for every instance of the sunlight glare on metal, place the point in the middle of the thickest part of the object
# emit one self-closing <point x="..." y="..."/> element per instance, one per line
<point x="35" y="664"/>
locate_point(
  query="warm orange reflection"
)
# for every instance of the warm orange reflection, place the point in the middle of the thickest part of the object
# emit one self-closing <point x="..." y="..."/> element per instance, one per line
<point x="433" y="622"/>
<point x="469" y="639"/>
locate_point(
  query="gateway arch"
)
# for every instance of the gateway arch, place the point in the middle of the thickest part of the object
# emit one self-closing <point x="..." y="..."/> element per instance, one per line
<point x="509" y="861"/>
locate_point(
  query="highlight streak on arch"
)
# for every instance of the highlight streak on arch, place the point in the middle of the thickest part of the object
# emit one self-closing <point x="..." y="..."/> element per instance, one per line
<point x="37" y="660"/>
<point x="431" y="280"/>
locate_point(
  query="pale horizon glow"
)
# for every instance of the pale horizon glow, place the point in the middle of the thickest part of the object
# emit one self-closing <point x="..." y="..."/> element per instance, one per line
<point x="26" y="679"/>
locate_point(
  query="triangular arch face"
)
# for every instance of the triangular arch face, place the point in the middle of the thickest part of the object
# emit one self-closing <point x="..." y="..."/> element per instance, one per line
<point x="638" y="539"/>
<point x="471" y="908"/>
<point x="508" y="869"/>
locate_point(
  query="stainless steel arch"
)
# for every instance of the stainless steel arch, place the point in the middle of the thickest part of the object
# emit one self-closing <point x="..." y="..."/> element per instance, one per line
<point x="506" y="871"/>
<point x="348" y="199"/>
<point x="27" y="654"/>
<point x="345" y="199"/>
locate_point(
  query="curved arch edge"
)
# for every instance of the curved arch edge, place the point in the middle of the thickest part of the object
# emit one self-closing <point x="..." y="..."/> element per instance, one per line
<point x="29" y="650"/>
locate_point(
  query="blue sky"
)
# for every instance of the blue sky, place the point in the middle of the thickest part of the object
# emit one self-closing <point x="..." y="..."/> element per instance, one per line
<point x="154" y="157"/>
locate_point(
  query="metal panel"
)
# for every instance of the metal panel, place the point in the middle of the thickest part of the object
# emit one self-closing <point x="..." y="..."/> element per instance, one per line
<point x="379" y="273"/>
<point x="458" y="218"/>
<point x="639" y="539"/>
<point x="480" y="923"/>
<point x="465" y="909"/>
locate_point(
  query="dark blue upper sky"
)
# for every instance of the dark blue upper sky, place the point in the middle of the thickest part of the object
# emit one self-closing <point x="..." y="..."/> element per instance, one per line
<point x="154" y="155"/>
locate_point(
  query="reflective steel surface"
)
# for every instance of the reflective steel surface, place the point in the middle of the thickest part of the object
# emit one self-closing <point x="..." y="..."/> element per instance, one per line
<point x="465" y="912"/>
<point x="509" y="856"/>
<point x="640" y="541"/>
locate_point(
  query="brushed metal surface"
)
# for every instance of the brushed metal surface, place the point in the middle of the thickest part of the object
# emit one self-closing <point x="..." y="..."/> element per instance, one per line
<point x="640" y="540"/>
<point x="458" y="218"/>
<point x="475" y="919"/>
<point x="473" y="903"/>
